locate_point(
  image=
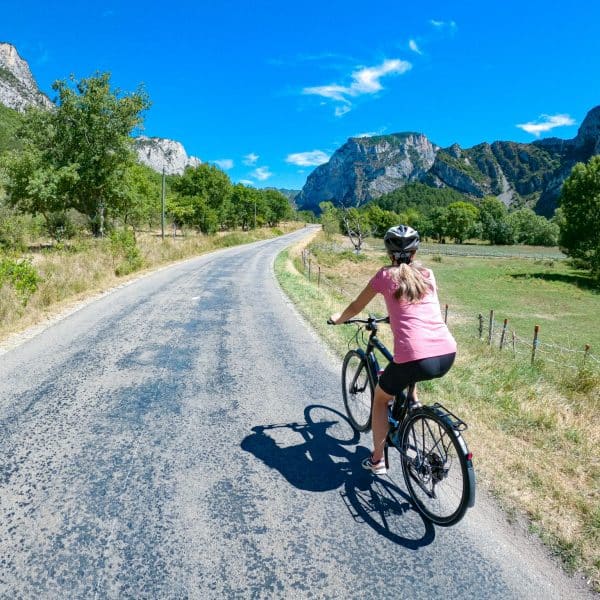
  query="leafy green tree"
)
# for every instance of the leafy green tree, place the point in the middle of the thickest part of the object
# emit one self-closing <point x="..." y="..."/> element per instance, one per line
<point x="247" y="203"/>
<point x="437" y="225"/>
<point x="532" y="229"/>
<point x="329" y="218"/>
<point x="76" y="155"/>
<point x="461" y="217"/>
<point x="278" y="207"/>
<point x="140" y="205"/>
<point x="580" y="210"/>
<point x="210" y="184"/>
<point x="380" y="220"/>
<point x="495" y="227"/>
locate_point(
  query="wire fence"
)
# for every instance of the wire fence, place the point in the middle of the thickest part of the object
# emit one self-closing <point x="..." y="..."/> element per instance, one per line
<point x="489" y="330"/>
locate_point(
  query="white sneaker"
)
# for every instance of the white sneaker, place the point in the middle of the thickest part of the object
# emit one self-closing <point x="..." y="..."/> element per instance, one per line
<point x="375" y="468"/>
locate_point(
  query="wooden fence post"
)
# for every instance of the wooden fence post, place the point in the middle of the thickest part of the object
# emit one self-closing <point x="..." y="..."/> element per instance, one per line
<point x="513" y="344"/>
<point x="319" y="277"/>
<point x="503" y="333"/>
<point x="585" y="353"/>
<point x="446" y="314"/>
<point x="536" y="331"/>
<point x="480" y="318"/>
<point x="491" y="327"/>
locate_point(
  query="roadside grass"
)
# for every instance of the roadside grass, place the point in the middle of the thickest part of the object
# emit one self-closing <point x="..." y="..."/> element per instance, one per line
<point x="533" y="429"/>
<point x="71" y="271"/>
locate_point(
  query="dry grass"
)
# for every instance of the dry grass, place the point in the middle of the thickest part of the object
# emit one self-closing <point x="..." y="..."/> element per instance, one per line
<point x="85" y="267"/>
<point x="533" y="430"/>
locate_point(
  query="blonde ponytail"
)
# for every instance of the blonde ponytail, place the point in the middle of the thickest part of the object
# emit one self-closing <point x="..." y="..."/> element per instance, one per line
<point x="412" y="285"/>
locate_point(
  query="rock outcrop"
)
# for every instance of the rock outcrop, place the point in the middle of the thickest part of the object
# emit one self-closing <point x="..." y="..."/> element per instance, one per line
<point x="159" y="153"/>
<point x="519" y="174"/>
<point x="367" y="167"/>
<point x="18" y="88"/>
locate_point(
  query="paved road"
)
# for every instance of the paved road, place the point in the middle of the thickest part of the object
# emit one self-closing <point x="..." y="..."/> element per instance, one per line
<point x="180" y="438"/>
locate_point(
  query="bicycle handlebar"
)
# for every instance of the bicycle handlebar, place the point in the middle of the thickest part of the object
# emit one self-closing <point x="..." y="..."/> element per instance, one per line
<point x="385" y="319"/>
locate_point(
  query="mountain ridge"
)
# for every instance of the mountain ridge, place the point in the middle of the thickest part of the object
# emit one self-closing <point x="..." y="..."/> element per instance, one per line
<point x="520" y="174"/>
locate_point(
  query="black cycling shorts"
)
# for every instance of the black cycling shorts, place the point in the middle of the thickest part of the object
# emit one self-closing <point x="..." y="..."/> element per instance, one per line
<point x="397" y="376"/>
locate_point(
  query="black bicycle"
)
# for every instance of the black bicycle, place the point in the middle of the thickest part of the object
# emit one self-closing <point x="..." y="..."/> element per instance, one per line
<point x="436" y="463"/>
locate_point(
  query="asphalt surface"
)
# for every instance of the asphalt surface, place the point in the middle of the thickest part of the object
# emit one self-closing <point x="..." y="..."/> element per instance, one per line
<point x="183" y="437"/>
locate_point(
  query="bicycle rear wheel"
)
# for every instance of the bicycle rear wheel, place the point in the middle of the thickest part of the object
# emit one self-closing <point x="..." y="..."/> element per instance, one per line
<point x="358" y="389"/>
<point x="435" y="467"/>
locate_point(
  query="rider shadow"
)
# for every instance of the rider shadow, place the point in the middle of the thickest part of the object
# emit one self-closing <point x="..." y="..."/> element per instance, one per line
<point x="323" y="462"/>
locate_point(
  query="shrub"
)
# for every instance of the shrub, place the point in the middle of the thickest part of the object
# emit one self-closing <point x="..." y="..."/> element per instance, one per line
<point x="60" y="227"/>
<point x="21" y="275"/>
<point x="124" y="248"/>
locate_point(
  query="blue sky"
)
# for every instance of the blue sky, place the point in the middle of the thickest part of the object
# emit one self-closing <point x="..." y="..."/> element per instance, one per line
<point x="269" y="89"/>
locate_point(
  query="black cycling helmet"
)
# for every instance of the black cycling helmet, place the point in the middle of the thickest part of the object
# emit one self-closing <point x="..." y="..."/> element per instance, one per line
<point x="401" y="242"/>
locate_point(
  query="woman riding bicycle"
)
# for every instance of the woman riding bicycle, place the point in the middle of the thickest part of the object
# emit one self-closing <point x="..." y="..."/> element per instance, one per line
<point x="423" y="347"/>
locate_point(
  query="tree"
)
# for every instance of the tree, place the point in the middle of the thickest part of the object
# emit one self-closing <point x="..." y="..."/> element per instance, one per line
<point x="355" y="225"/>
<point x="580" y="214"/>
<point x="210" y="184"/>
<point x="278" y="207"/>
<point x="381" y="220"/>
<point x="329" y="218"/>
<point x="534" y="230"/>
<point x="461" y="217"/>
<point x="495" y="226"/>
<point x="76" y="155"/>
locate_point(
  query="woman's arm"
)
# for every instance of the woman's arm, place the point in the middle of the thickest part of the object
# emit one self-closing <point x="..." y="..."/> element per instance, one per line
<point x="355" y="306"/>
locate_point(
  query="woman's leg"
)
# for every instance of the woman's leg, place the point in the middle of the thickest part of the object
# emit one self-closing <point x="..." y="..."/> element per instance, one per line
<point x="379" y="422"/>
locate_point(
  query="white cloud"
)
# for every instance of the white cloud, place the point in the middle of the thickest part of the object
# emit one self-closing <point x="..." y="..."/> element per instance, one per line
<point x="412" y="44"/>
<point x="246" y="182"/>
<point x="364" y="81"/>
<point x="250" y="159"/>
<point x="307" y="159"/>
<point x="224" y="163"/>
<point x="261" y="173"/>
<point x="443" y="24"/>
<point x="342" y="109"/>
<point x="546" y="123"/>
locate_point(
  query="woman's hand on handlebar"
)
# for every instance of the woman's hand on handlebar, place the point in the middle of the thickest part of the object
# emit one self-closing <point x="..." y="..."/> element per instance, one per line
<point x="333" y="319"/>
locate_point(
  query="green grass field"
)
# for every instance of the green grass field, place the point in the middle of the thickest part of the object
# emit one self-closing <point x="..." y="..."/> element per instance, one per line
<point x="533" y="429"/>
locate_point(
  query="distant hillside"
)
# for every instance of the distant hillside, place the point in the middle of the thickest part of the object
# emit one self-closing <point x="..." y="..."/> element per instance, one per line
<point x="519" y="174"/>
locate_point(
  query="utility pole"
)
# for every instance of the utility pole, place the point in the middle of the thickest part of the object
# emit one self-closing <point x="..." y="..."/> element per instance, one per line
<point x="162" y="218"/>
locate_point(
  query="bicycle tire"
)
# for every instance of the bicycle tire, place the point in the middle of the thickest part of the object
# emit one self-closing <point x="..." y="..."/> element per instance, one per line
<point x="358" y="390"/>
<point x="436" y="469"/>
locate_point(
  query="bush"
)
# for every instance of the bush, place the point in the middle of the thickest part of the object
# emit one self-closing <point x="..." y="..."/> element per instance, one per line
<point x="124" y="248"/>
<point x="60" y="227"/>
<point x="21" y="275"/>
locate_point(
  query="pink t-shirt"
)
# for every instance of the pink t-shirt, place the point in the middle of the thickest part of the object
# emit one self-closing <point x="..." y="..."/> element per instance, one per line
<point x="419" y="329"/>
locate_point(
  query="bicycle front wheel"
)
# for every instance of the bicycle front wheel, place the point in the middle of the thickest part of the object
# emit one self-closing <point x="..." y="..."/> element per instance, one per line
<point x="358" y="389"/>
<point x="435" y="468"/>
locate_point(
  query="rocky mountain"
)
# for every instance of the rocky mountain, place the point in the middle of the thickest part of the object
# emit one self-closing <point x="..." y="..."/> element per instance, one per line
<point x="519" y="174"/>
<point x="18" y="88"/>
<point x="159" y="153"/>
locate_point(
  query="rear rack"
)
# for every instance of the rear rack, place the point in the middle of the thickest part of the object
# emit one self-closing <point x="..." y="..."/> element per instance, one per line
<point x="456" y="423"/>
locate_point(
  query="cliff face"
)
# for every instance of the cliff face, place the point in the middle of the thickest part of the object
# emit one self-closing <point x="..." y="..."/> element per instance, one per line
<point x="18" y="89"/>
<point x="518" y="174"/>
<point x="367" y="167"/>
<point x="159" y="153"/>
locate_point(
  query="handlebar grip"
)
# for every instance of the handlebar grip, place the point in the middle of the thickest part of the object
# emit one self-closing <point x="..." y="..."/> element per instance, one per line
<point x="330" y="322"/>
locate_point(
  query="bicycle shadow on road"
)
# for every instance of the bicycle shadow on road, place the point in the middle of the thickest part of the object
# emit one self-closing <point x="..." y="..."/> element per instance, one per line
<point x="328" y="458"/>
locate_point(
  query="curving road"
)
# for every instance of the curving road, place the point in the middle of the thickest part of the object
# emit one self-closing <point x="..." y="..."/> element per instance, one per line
<point x="180" y="438"/>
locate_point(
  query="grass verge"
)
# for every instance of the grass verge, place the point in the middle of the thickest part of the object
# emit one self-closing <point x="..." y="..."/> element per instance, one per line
<point x="71" y="272"/>
<point x="533" y="429"/>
